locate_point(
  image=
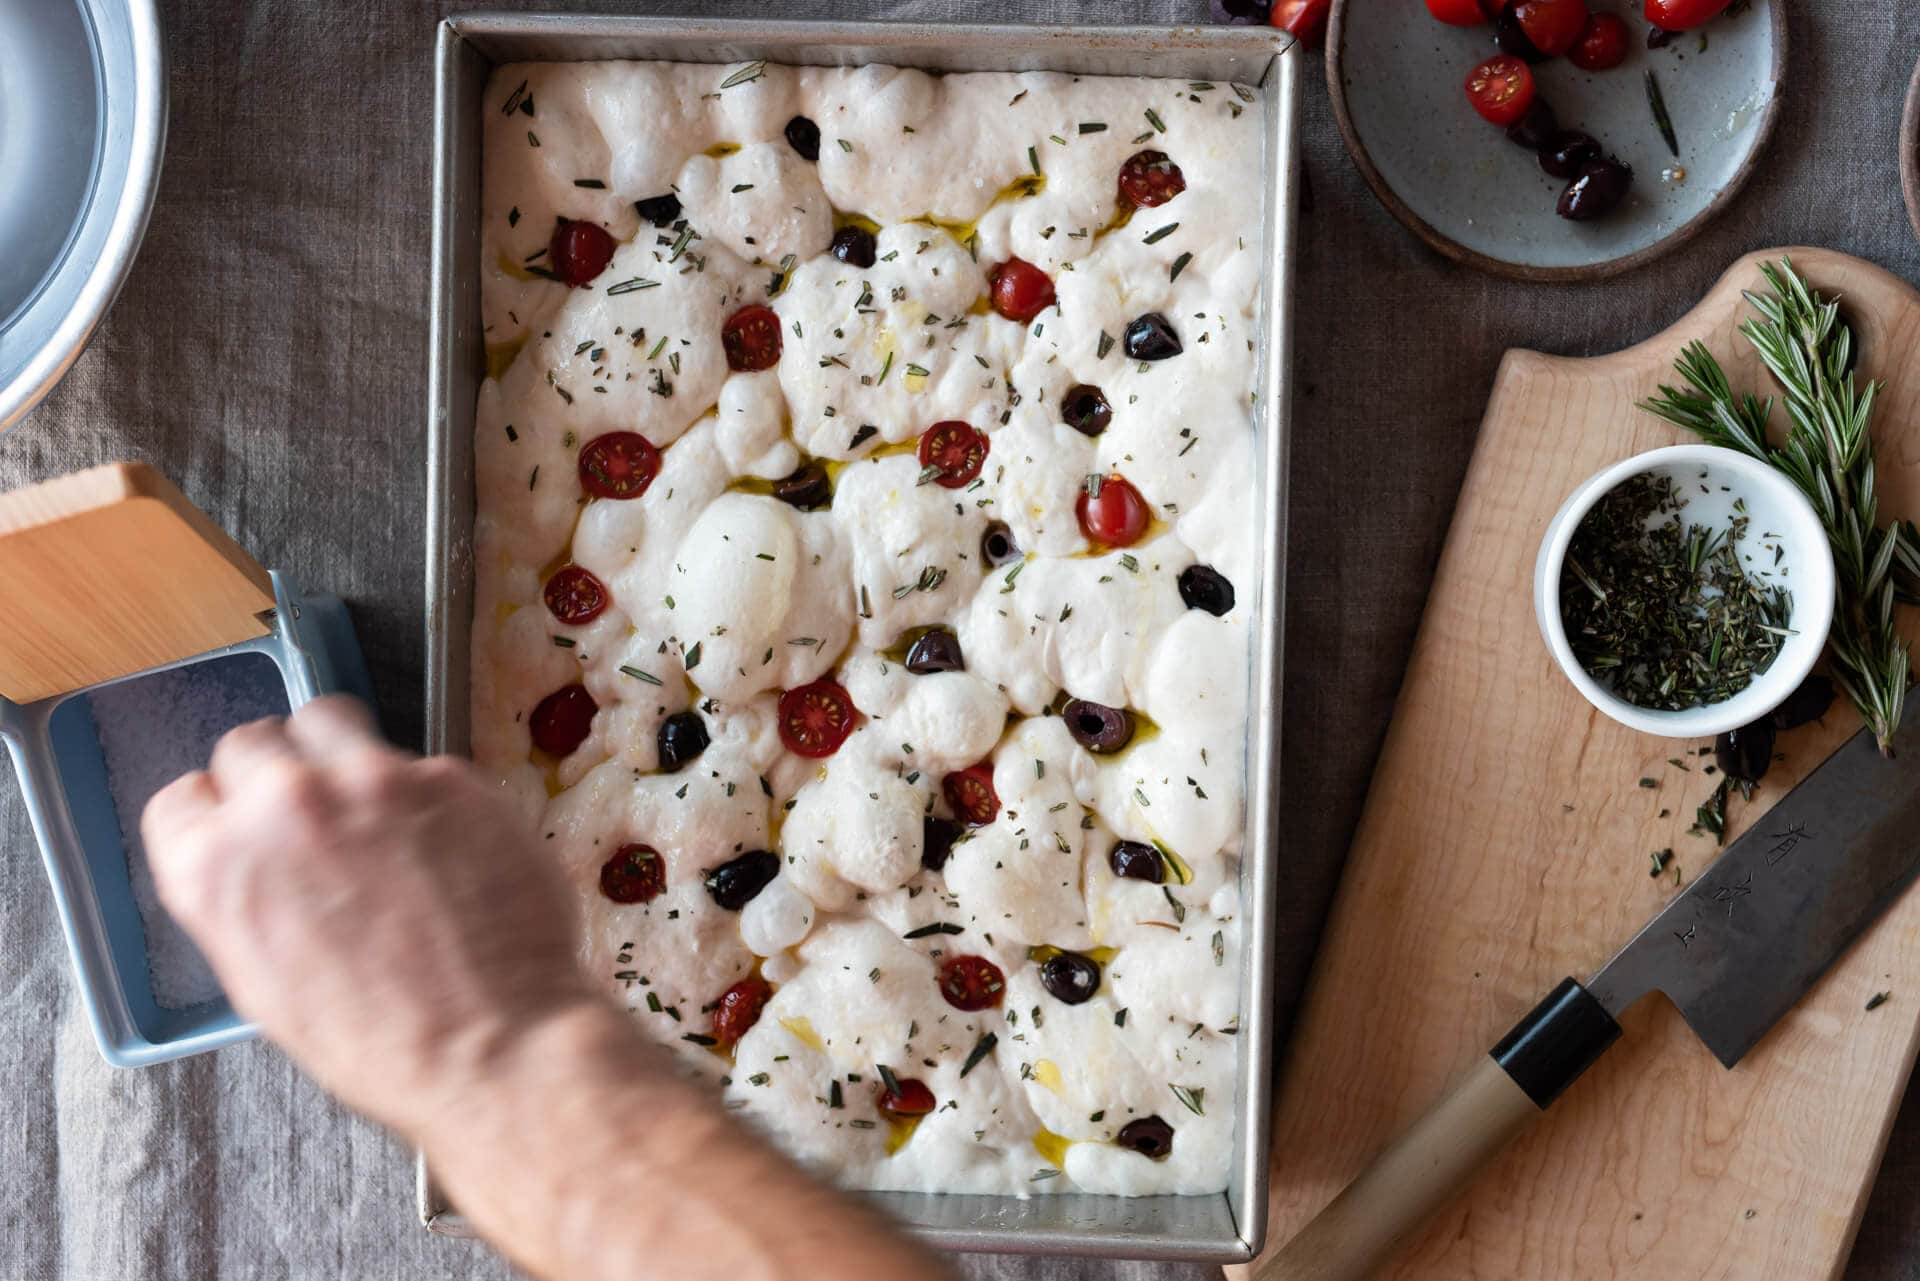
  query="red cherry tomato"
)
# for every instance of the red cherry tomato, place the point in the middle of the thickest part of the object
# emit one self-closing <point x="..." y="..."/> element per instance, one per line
<point x="1458" y="13"/>
<point x="1117" y="516"/>
<point x="1020" y="290"/>
<point x="906" y="1098"/>
<point x="972" y="983"/>
<point x="956" y="449"/>
<point x="739" y="1009"/>
<point x="1149" y="179"/>
<point x="1684" y="15"/>
<point x="1306" y="19"/>
<point x="970" y="793"/>
<point x="752" y="339"/>
<point x="635" y="874"/>
<point x="575" y="596"/>
<point x="815" y="719"/>
<point x="1554" y="26"/>
<point x="1501" y="89"/>
<point x="1604" y="44"/>
<point x="618" y="465"/>
<point x="579" y="251"/>
<point x="562" y="720"/>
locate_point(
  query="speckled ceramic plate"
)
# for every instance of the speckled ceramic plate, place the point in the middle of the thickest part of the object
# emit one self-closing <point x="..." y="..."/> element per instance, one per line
<point x="1396" y="77"/>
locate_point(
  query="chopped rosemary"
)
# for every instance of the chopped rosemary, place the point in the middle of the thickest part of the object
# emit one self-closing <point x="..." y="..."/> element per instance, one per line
<point x="1658" y="103"/>
<point x="981" y="1048"/>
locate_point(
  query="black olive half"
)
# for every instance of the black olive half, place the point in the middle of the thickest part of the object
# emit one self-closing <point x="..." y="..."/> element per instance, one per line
<point x="804" y="137"/>
<point x="1149" y="1136"/>
<point x="1513" y="38"/>
<point x="1070" y="977"/>
<point x="997" y="546"/>
<point x="809" y="488"/>
<point x="1808" y="703"/>
<point x="661" y="211"/>
<point x="1744" y="754"/>
<point x="1568" y="152"/>
<point x="1597" y="191"/>
<point x="1086" y="410"/>
<point x="1204" y="587"/>
<point x="1098" y="728"/>
<point x="1150" y="337"/>
<point x="737" y="883"/>
<point x="1137" y="861"/>
<point x="937" y="836"/>
<point x="936" y="651"/>
<point x="682" y="737"/>
<point x="1535" y="129"/>
<point x="853" y="246"/>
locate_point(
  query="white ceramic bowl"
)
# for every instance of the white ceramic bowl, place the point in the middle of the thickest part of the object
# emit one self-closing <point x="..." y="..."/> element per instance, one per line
<point x="1774" y="506"/>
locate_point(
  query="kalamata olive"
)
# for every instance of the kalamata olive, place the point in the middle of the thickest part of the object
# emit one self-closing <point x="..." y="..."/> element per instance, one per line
<point x="809" y="488"/>
<point x="1097" y="727"/>
<point x="1597" y="191"/>
<point x="1070" y="977"/>
<point x="1567" y="152"/>
<point x="1535" y="129"/>
<point x="1137" y="861"/>
<point x="682" y="737"/>
<point x="661" y="211"/>
<point x="1086" y="410"/>
<point x="804" y="137"/>
<point x="936" y="651"/>
<point x="1513" y="38"/>
<point x="853" y="246"/>
<point x="937" y="836"/>
<point x="1150" y="337"/>
<point x="1238" y="13"/>
<point x="1808" y="703"/>
<point x="997" y="546"/>
<point x="1745" y="754"/>
<point x="1148" y="1135"/>
<point x="1204" y="587"/>
<point x="736" y="883"/>
<point x="1658" y="37"/>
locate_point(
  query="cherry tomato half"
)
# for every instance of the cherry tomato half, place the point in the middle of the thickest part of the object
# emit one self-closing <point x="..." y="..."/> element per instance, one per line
<point x="815" y="719"/>
<point x="970" y="793"/>
<point x="972" y="983"/>
<point x="619" y="465"/>
<point x="1554" y="26"/>
<point x="1306" y="19"/>
<point x="956" y="449"/>
<point x="752" y="339"/>
<point x="1020" y="290"/>
<point x="1684" y="15"/>
<point x="906" y="1098"/>
<point x="579" y="251"/>
<point x="562" y="720"/>
<point x="1149" y="179"/>
<point x="739" y="1009"/>
<point x="1501" y="89"/>
<point x="575" y="596"/>
<point x="1603" y="46"/>
<point x="1458" y="13"/>
<point x="1116" y="516"/>
<point x="635" y="874"/>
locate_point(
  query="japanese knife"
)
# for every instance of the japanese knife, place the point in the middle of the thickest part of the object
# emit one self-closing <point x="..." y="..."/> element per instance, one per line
<point x="1734" y="953"/>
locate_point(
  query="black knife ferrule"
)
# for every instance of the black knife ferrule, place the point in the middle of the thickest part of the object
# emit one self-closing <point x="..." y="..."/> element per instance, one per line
<point x="1549" y="1049"/>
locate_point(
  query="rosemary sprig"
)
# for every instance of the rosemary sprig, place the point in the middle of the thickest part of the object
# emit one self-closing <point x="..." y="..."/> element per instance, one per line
<point x="1828" y="454"/>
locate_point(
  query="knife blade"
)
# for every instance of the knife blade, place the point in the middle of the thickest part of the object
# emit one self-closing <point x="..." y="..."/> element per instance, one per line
<point x="1734" y="953"/>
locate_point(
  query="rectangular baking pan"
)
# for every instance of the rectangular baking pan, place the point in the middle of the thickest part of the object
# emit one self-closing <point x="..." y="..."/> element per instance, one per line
<point x="1221" y="1228"/>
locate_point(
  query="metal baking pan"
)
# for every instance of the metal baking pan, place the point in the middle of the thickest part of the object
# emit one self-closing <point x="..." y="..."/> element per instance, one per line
<point x="1221" y="1228"/>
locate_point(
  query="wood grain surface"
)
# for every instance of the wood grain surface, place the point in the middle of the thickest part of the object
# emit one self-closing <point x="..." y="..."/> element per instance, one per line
<point x="1505" y="845"/>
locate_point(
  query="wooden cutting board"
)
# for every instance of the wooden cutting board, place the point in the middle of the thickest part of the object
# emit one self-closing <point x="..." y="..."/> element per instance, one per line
<point x="1505" y="844"/>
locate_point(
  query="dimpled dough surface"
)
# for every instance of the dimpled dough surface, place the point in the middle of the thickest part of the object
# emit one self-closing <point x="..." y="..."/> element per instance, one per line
<point x="722" y="596"/>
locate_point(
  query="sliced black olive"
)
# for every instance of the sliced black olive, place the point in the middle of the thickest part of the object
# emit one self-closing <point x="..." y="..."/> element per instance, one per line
<point x="853" y="246"/>
<point x="1745" y="754"/>
<point x="1535" y="129"/>
<point x="1070" y="977"/>
<point x="1597" y="191"/>
<point x="1148" y="1135"/>
<point x="1204" y="587"/>
<point x="1238" y="13"/>
<point x="1808" y="703"/>
<point x="937" y="836"/>
<point x="1086" y="410"/>
<point x="1568" y="152"/>
<point x="804" y="137"/>
<point x="809" y="488"/>
<point x="997" y="546"/>
<point x="737" y="883"/>
<point x="1150" y="337"/>
<point x="1097" y="727"/>
<point x="661" y="211"/>
<point x="936" y="651"/>
<point x="1513" y="38"/>
<point x="682" y="737"/>
<point x="1137" y="861"/>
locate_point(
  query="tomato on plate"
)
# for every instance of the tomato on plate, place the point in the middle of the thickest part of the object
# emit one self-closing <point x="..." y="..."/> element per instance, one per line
<point x="752" y="339"/>
<point x="738" y="1008"/>
<point x="575" y="596"/>
<point x="1554" y="26"/>
<point x="562" y="720"/>
<point x="1148" y="179"/>
<point x="1501" y="89"/>
<point x="1306" y="19"/>
<point x="904" y="1098"/>
<point x="956" y="450"/>
<point x="972" y="983"/>
<point x="619" y="465"/>
<point x="1603" y="46"/>
<point x="635" y="874"/>
<point x="1458" y="13"/>
<point x="970" y="793"/>
<point x="1020" y="291"/>
<point x="1112" y="512"/>
<point x="579" y="251"/>
<point x="815" y="719"/>
<point x="1684" y="15"/>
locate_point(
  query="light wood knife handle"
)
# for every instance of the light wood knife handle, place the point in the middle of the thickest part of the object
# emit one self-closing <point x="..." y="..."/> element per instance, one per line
<point x="1433" y="1161"/>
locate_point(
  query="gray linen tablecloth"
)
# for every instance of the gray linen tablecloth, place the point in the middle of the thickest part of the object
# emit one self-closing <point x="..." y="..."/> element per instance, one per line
<point x="269" y="354"/>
